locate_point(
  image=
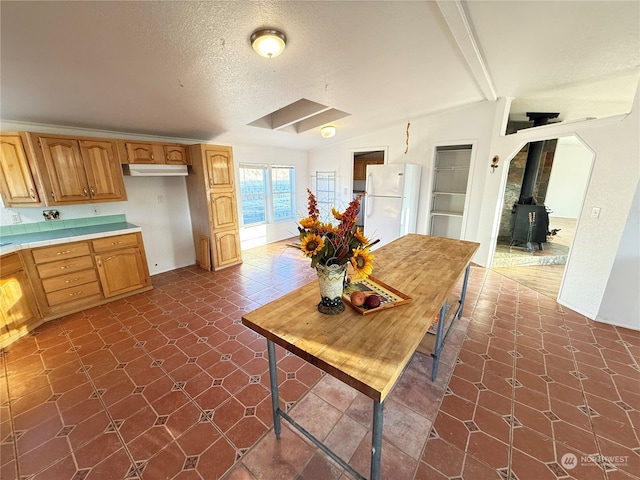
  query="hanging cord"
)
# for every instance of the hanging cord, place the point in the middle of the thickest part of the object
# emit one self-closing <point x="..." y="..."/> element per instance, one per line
<point x="407" y="141"/>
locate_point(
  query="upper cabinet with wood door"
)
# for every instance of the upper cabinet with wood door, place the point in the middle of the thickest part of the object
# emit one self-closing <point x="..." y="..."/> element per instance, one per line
<point x="135" y="152"/>
<point x="218" y="168"/>
<point x="80" y="170"/>
<point x="19" y="179"/>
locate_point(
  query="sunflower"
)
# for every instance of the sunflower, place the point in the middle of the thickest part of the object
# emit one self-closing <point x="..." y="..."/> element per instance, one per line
<point x="362" y="262"/>
<point x="360" y="236"/>
<point x="308" y="222"/>
<point x="311" y="244"/>
<point x="336" y="214"/>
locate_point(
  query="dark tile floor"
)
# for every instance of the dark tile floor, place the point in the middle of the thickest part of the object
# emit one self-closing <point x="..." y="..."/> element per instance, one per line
<point x="169" y="384"/>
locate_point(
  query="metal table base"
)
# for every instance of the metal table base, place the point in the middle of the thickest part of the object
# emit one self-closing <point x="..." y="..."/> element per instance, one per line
<point x="376" y="442"/>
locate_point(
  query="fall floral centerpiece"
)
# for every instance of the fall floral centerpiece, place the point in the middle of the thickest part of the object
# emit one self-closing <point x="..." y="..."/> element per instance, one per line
<point x="331" y="248"/>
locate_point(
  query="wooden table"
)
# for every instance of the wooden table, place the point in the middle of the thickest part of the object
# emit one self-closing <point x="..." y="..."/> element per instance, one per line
<point x="367" y="352"/>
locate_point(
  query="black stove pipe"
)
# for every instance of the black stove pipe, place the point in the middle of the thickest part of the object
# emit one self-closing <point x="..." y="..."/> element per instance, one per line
<point x="534" y="155"/>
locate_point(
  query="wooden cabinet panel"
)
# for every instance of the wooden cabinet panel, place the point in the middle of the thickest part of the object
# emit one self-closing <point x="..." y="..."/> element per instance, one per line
<point x="117" y="241"/>
<point x="51" y="269"/>
<point x="73" y="294"/>
<point x="18" y="312"/>
<point x="17" y="180"/>
<point x="122" y="271"/>
<point x="223" y="210"/>
<point x="66" y="175"/>
<point x="61" y="251"/>
<point x="176" y="155"/>
<point x="104" y="174"/>
<point x="227" y="248"/>
<point x="81" y="170"/>
<point x="70" y="280"/>
<point x="140" y="153"/>
<point x="219" y="168"/>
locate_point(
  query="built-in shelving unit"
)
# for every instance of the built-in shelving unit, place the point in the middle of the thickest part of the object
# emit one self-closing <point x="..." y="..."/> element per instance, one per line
<point x="449" y="193"/>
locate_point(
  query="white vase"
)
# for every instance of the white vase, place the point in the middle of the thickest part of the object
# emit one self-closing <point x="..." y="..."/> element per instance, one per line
<point x="331" y="282"/>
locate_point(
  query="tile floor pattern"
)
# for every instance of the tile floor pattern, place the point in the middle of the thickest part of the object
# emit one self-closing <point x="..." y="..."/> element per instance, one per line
<point x="169" y="384"/>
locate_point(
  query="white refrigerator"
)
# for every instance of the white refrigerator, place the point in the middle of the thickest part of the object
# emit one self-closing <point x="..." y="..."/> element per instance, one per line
<point x="391" y="207"/>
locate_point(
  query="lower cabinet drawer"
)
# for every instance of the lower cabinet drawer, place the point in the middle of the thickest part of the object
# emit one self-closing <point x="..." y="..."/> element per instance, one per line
<point x="69" y="280"/>
<point x="62" y="267"/>
<point x="112" y="243"/>
<point x="57" y="252"/>
<point x="72" y="294"/>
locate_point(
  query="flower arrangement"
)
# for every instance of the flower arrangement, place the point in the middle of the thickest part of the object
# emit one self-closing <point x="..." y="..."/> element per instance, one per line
<point x="328" y="245"/>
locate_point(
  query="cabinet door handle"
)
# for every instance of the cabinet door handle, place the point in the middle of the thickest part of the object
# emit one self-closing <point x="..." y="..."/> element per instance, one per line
<point x="93" y="192"/>
<point x="32" y="193"/>
<point x="53" y="195"/>
<point x="85" y="192"/>
<point x="63" y="252"/>
<point x="152" y="156"/>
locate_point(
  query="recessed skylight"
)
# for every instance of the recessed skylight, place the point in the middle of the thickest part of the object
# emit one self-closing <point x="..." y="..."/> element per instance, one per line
<point x="300" y="116"/>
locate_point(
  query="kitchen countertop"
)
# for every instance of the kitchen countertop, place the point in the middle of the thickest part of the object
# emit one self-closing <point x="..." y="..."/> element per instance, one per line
<point x="12" y="243"/>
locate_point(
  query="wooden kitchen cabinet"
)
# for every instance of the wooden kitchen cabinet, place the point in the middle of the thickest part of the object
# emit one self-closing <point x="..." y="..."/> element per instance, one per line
<point x="153" y="153"/>
<point x="70" y="277"/>
<point x="19" y="180"/>
<point x="18" y="311"/>
<point x="121" y="263"/>
<point x="360" y="167"/>
<point x="64" y="277"/>
<point x="226" y="250"/>
<point x="213" y="207"/>
<point x="80" y="170"/>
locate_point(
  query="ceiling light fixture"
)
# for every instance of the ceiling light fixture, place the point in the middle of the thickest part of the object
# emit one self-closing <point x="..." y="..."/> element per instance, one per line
<point x="268" y="42"/>
<point x="328" y="131"/>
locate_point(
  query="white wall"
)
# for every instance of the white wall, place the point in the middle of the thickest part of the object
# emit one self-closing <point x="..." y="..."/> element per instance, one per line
<point x="624" y="282"/>
<point x="569" y="176"/>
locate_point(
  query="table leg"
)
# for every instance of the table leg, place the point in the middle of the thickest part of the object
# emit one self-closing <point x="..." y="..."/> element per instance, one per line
<point x="463" y="293"/>
<point x="376" y="440"/>
<point x="273" y="378"/>
<point x="439" y="342"/>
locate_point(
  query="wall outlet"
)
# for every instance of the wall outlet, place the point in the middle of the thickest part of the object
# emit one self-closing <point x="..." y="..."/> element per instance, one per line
<point x="15" y="218"/>
<point x="51" y="214"/>
<point x="595" y="212"/>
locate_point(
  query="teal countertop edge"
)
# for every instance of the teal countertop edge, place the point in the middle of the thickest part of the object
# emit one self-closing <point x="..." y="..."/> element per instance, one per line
<point x="11" y="243"/>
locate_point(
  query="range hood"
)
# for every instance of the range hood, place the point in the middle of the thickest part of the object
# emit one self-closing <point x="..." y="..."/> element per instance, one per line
<point x="160" y="170"/>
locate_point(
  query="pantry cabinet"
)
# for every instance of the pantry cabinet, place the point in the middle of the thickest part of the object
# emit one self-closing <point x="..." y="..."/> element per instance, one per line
<point x="80" y="170"/>
<point x="212" y="203"/>
<point x="19" y="182"/>
<point x="18" y="311"/>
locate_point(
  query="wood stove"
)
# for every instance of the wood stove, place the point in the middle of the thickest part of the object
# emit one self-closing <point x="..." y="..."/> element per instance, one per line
<point x="530" y="222"/>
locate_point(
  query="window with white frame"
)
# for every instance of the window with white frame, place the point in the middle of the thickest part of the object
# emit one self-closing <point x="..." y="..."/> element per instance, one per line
<point x="283" y="192"/>
<point x="253" y="192"/>
<point x="326" y="194"/>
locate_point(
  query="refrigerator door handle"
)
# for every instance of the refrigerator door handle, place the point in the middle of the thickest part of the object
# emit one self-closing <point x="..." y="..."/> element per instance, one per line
<point x="369" y="206"/>
<point x="399" y="183"/>
<point x="366" y="185"/>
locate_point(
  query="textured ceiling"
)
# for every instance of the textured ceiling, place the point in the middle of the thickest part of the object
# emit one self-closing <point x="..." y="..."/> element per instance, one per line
<point x="186" y="69"/>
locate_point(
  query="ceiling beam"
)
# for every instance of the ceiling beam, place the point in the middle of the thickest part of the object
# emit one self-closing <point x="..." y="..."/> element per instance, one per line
<point x="456" y="18"/>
